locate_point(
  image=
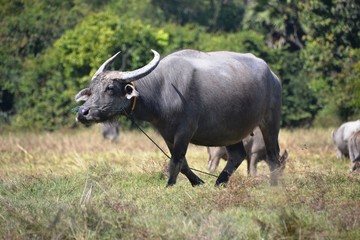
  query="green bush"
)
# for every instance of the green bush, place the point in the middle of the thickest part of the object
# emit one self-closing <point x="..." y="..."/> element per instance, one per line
<point x="50" y="81"/>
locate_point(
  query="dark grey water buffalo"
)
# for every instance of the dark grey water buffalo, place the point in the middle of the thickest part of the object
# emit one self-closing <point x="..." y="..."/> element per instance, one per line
<point x="204" y="98"/>
<point x="111" y="131"/>
<point x="341" y="136"/>
<point x="354" y="150"/>
<point x="255" y="152"/>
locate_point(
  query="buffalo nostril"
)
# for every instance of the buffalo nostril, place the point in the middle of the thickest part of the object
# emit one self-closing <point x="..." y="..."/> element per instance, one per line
<point x="84" y="111"/>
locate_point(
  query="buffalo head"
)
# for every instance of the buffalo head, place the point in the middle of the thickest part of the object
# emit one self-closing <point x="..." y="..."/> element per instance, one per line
<point x="110" y="92"/>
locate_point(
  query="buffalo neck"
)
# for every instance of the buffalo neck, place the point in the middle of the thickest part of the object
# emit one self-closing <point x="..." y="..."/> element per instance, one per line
<point x="148" y="101"/>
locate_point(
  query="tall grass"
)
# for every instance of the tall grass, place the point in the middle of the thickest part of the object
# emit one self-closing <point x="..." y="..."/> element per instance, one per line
<point x="75" y="185"/>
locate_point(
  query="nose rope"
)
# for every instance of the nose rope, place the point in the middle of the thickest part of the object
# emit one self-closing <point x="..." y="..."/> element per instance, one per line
<point x="157" y="145"/>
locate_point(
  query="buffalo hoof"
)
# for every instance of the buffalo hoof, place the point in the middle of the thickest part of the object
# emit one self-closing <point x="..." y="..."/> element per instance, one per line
<point x="222" y="179"/>
<point x="197" y="182"/>
<point x="273" y="182"/>
<point x="170" y="183"/>
<point x="219" y="185"/>
<point x="356" y="166"/>
<point x="274" y="177"/>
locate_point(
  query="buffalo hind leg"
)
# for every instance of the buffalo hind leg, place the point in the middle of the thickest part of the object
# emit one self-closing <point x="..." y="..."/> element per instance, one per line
<point x="236" y="154"/>
<point x="270" y="135"/>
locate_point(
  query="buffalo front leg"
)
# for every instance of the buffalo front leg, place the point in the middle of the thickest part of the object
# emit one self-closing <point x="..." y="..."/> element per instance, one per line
<point x="193" y="178"/>
<point x="178" y="164"/>
<point x="236" y="154"/>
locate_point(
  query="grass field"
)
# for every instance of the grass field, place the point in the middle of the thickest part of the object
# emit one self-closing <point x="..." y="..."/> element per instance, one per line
<point x="75" y="185"/>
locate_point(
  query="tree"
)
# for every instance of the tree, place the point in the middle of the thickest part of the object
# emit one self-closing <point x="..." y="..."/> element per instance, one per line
<point x="27" y="28"/>
<point x="214" y="15"/>
<point x="331" y="60"/>
<point x="279" y="21"/>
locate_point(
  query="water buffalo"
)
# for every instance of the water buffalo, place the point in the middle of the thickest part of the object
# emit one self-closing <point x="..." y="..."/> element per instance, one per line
<point x="255" y="152"/>
<point x="215" y="154"/>
<point x="111" y="131"/>
<point x="204" y="98"/>
<point x="341" y="135"/>
<point x="354" y="150"/>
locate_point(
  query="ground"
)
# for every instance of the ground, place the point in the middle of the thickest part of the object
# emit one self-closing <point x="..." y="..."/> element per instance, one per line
<point x="74" y="184"/>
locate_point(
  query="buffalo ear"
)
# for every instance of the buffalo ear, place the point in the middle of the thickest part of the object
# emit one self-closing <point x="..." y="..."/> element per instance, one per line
<point x="83" y="95"/>
<point x="131" y="91"/>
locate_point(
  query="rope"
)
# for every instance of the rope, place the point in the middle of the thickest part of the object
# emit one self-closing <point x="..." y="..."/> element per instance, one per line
<point x="167" y="155"/>
<point x="75" y="109"/>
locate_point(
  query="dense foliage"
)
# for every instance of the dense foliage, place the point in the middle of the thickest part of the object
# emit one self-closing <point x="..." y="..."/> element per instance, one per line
<point x="49" y="50"/>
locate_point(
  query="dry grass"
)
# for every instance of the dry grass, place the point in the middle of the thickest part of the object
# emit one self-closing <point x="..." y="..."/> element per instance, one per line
<point x="69" y="151"/>
<point x="74" y="184"/>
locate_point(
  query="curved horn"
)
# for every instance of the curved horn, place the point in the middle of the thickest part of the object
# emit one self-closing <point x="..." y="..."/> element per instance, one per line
<point x="105" y="65"/>
<point x="138" y="73"/>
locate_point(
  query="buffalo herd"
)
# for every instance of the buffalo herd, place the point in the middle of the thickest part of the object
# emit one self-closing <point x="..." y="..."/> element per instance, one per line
<point x="346" y="139"/>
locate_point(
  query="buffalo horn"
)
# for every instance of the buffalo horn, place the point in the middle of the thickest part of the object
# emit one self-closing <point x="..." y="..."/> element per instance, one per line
<point x="141" y="72"/>
<point x="105" y="65"/>
<point x="129" y="76"/>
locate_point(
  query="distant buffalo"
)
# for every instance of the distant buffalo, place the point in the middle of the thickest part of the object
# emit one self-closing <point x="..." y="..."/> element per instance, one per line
<point x="354" y="150"/>
<point x="111" y="131"/>
<point x="255" y="152"/>
<point x="341" y="136"/>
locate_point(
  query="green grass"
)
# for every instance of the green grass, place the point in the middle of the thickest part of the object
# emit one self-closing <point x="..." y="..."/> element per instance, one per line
<point x="74" y="185"/>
